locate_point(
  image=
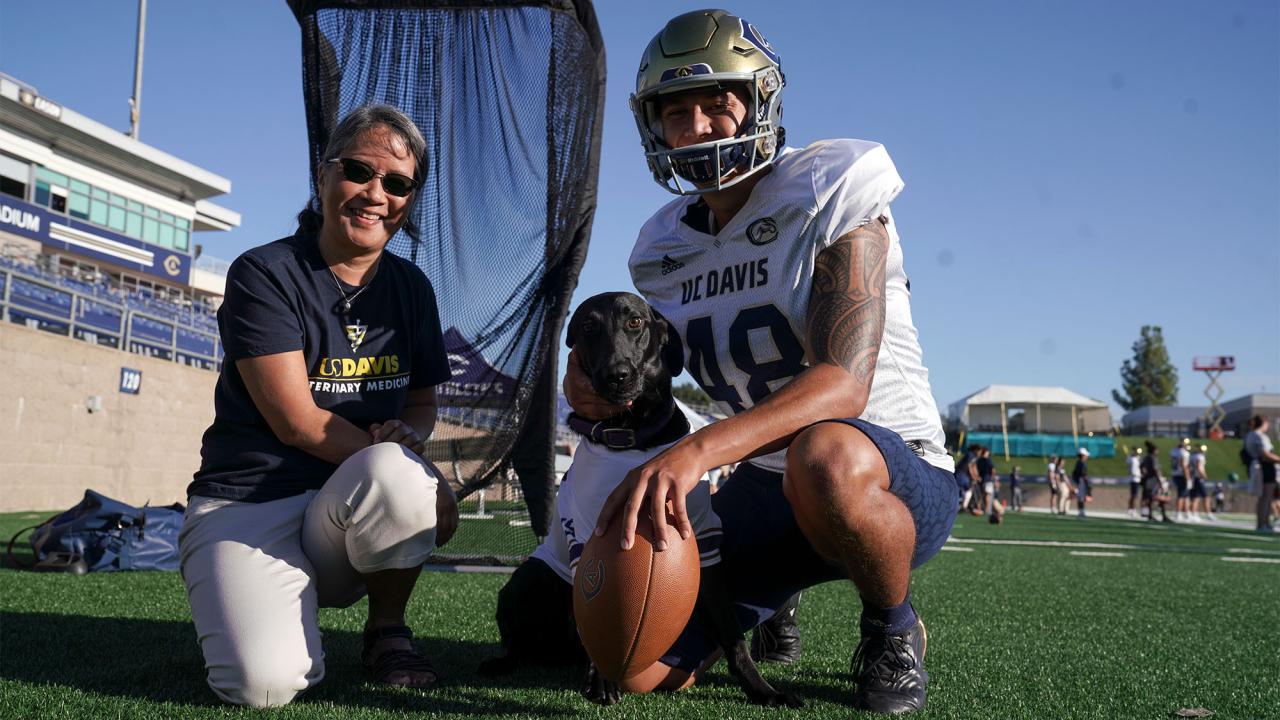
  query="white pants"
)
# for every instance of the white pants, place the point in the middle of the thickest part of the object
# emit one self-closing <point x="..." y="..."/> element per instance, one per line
<point x="256" y="573"/>
<point x="1064" y="496"/>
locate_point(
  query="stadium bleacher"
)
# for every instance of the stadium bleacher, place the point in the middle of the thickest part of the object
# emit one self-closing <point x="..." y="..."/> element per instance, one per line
<point x="136" y="320"/>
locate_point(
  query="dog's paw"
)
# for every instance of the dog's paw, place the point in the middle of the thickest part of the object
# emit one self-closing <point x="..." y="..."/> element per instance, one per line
<point x="599" y="690"/>
<point x="495" y="666"/>
<point x="787" y="699"/>
<point x="776" y="699"/>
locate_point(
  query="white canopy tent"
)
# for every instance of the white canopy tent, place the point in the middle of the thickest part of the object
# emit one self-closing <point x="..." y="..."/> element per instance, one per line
<point x="1053" y="410"/>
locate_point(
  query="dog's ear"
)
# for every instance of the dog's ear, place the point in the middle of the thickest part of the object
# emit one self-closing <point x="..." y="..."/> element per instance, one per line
<point x="571" y="338"/>
<point x="670" y="349"/>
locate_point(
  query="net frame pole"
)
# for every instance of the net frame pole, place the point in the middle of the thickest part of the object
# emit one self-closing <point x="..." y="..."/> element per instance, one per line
<point x="1004" y="429"/>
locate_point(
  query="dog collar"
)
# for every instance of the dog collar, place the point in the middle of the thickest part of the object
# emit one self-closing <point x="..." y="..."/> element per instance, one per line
<point x="614" y="435"/>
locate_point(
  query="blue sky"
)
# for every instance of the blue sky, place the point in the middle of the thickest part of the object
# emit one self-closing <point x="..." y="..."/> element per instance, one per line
<point x="1073" y="170"/>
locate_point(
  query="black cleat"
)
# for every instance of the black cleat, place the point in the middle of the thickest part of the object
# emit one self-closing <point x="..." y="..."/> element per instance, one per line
<point x="777" y="639"/>
<point x="888" y="670"/>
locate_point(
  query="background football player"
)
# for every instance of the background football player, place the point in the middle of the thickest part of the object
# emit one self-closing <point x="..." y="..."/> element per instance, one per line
<point x="781" y="268"/>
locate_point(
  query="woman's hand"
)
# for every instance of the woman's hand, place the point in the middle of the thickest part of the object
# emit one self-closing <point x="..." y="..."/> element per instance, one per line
<point x="398" y="431"/>
<point x="667" y="478"/>
<point x="581" y="396"/>
<point x="446" y="513"/>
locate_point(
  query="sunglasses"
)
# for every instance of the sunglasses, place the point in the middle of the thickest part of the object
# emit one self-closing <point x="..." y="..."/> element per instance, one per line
<point x="360" y="173"/>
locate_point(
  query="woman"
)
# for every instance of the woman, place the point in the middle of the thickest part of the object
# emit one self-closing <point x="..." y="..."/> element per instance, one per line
<point x="1262" y="469"/>
<point x="1153" y="485"/>
<point x="312" y="491"/>
<point x="1051" y="472"/>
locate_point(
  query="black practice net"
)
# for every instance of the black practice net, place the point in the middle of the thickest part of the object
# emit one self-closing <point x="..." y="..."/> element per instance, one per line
<point x="509" y="96"/>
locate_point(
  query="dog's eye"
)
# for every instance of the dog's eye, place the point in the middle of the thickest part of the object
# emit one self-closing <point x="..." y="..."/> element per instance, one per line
<point x="588" y="327"/>
<point x="635" y="323"/>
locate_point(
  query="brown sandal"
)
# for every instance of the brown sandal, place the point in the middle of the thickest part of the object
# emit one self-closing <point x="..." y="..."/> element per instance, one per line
<point x="395" y="660"/>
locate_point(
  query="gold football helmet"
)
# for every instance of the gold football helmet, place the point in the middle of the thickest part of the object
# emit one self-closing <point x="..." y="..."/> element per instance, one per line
<point x="698" y="49"/>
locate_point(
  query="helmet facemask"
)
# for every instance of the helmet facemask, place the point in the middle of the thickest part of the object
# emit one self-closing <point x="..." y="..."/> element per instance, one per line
<point x="716" y="164"/>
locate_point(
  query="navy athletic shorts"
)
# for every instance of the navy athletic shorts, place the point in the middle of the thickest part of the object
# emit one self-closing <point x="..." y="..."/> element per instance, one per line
<point x="766" y="557"/>
<point x="1135" y="486"/>
<point x="1198" y="489"/>
<point x="1180" y="482"/>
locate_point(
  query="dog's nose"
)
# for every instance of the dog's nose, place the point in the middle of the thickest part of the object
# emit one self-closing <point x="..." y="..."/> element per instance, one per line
<point x="617" y="376"/>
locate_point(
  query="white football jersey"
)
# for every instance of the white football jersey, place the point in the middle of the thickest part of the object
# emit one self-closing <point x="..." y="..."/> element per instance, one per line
<point x="1196" y="464"/>
<point x="595" y="472"/>
<point x="739" y="298"/>
<point x="1176" y="458"/>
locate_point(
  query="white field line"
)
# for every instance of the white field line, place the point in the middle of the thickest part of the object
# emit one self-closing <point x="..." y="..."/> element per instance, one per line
<point x="1242" y="536"/>
<point x="1045" y="543"/>
<point x="1253" y="560"/>
<point x="1086" y="553"/>
<point x="957" y="549"/>
<point x="497" y="569"/>
<point x="1253" y="551"/>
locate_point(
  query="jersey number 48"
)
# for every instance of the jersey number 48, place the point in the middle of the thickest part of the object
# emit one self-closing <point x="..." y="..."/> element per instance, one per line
<point x="705" y="368"/>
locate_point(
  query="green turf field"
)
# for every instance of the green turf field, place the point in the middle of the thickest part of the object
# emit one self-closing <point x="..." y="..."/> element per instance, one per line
<point x="1158" y="623"/>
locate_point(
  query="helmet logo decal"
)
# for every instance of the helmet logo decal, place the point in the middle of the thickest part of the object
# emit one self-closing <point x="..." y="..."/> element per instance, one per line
<point x="753" y="36"/>
<point x="685" y="71"/>
<point x="769" y="82"/>
<point x="762" y="231"/>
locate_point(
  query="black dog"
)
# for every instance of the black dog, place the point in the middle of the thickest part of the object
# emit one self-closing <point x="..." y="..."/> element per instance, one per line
<point x="630" y="354"/>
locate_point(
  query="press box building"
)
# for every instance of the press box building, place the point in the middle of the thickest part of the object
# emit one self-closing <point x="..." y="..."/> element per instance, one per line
<point x="98" y="233"/>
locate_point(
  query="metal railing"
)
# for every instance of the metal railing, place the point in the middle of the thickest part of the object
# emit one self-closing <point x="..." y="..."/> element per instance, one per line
<point x="44" y="304"/>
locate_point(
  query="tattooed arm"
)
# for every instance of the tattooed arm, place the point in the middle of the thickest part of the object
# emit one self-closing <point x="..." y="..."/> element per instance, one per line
<point x="846" y="305"/>
<point x="843" y="328"/>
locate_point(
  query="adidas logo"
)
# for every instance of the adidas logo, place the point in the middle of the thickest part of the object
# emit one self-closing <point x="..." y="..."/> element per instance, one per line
<point x="669" y="265"/>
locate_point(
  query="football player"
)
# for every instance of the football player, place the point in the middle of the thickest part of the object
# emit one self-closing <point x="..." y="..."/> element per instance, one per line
<point x="782" y="270"/>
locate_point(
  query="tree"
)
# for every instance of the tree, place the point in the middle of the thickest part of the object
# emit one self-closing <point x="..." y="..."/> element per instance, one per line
<point x="691" y="394"/>
<point x="1149" y="378"/>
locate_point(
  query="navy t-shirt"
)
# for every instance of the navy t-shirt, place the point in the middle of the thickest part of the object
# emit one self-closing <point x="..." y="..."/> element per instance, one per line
<point x="361" y="364"/>
<point x="1081" y="471"/>
<point x="985" y="468"/>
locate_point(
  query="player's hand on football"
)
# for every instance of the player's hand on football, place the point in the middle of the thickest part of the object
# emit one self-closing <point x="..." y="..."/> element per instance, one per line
<point x="599" y="690"/>
<point x="398" y="431"/>
<point x="581" y="396"/>
<point x="666" y="479"/>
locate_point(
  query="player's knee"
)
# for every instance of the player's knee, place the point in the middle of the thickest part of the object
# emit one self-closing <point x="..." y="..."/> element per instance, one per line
<point x="831" y="463"/>
<point x="269" y="682"/>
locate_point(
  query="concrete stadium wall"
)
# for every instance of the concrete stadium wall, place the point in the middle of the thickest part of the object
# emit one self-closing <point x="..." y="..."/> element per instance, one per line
<point x="137" y="448"/>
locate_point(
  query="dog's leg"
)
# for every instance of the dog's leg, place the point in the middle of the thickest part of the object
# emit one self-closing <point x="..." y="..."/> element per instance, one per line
<point x="534" y="590"/>
<point x="717" y="608"/>
<point x="599" y="690"/>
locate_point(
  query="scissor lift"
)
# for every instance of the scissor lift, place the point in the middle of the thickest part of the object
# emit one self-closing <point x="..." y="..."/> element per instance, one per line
<point x="1213" y="367"/>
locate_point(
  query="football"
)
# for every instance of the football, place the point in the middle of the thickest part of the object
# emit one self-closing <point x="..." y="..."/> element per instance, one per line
<point x="631" y="605"/>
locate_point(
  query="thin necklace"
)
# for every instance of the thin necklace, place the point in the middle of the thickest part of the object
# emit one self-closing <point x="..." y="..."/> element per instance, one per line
<point x="345" y="307"/>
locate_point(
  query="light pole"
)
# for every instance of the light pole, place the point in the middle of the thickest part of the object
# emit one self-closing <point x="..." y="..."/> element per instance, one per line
<point x="135" y="102"/>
